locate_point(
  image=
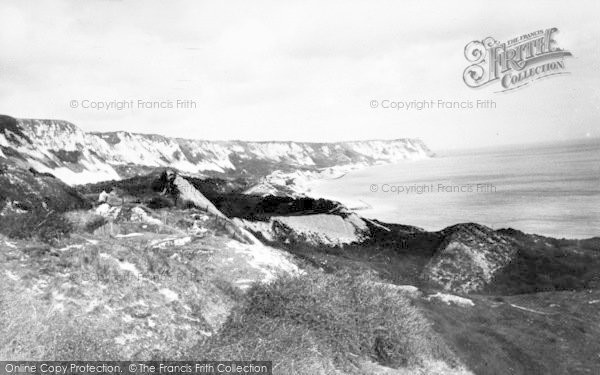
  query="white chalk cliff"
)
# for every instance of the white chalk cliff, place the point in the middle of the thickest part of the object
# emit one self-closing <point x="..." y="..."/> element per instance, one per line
<point x="76" y="157"/>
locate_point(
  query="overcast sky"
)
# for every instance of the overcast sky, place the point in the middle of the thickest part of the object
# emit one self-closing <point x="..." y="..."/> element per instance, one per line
<point x="302" y="70"/>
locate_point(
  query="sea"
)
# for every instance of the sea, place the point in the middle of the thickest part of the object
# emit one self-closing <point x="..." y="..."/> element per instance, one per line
<point x="551" y="189"/>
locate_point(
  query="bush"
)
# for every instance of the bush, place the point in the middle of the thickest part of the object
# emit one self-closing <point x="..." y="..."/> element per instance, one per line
<point x="160" y="202"/>
<point x="53" y="228"/>
<point x="46" y="226"/>
<point x="95" y="223"/>
<point x="85" y="221"/>
<point x="311" y="323"/>
<point x="547" y="269"/>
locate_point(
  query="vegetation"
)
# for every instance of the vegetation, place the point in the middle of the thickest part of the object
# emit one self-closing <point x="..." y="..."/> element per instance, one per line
<point x="397" y="253"/>
<point x="254" y="207"/>
<point x="159" y="202"/>
<point x="95" y="223"/>
<point x="139" y="186"/>
<point x="319" y="322"/>
<point x="68" y="156"/>
<point x="226" y="195"/>
<point x="10" y="124"/>
<point x="85" y="221"/>
<point x="546" y="264"/>
<point x="45" y="226"/>
<point x="548" y="269"/>
<point x="557" y="335"/>
<point x="38" y="191"/>
<point x="29" y="330"/>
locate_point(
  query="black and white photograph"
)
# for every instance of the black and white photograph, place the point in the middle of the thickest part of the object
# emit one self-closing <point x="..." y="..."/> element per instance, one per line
<point x="260" y="187"/>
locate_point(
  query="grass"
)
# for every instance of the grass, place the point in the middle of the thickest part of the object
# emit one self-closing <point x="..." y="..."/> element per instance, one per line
<point x="159" y="202"/>
<point x="541" y="264"/>
<point x="36" y="191"/>
<point x="30" y="329"/>
<point x="495" y="338"/>
<point x="226" y="195"/>
<point x="549" y="265"/>
<point x="85" y="221"/>
<point x="35" y="325"/>
<point x="79" y="298"/>
<point x="48" y="227"/>
<point x="314" y="324"/>
<point x="325" y="323"/>
<point x="398" y="255"/>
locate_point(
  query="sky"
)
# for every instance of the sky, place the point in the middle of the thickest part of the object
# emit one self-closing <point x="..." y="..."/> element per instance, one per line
<point x="294" y="70"/>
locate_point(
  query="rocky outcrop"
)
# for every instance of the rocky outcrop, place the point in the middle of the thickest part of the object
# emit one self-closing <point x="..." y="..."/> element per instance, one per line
<point x="315" y="230"/>
<point x="296" y="183"/>
<point x="468" y="258"/>
<point x="186" y="193"/>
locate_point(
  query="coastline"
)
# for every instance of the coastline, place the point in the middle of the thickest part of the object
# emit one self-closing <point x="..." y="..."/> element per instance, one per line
<point x="537" y="207"/>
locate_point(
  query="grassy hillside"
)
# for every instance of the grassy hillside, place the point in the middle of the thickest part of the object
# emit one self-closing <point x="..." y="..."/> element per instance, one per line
<point x="545" y="264"/>
<point x="134" y="288"/>
<point x="541" y="333"/>
<point x="32" y="204"/>
<point x="145" y="279"/>
<point x="33" y="190"/>
<point x="226" y="195"/>
<point x="329" y="324"/>
<point x="181" y="288"/>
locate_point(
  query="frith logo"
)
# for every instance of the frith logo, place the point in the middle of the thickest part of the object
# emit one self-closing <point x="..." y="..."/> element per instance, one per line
<point x="516" y="62"/>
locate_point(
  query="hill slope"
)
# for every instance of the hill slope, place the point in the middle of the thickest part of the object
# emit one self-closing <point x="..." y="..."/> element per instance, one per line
<point x="76" y="157"/>
<point x="163" y="267"/>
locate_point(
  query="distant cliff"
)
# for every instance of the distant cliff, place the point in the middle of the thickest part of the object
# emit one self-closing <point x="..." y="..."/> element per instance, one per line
<point x="61" y="148"/>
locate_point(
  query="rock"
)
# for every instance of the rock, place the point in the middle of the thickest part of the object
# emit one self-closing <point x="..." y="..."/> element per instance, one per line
<point x="114" y="199"/>
<point x="451" y="299"/>
<point x="468" y="258"/>
<point x="107" y="211"/>
<point x="77" y="157"/>
<point x="186" y="193"/>
<point x="103" y="197"/>
<point x="138" y="214"/>
<point x="408" y="290"/>
<point x="314" y="229"/>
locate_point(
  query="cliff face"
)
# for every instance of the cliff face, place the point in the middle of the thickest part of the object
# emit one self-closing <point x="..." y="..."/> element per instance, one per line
<point x="60" y="148"/>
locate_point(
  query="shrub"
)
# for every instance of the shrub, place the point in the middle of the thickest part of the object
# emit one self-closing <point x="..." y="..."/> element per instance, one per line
<point x="324" y="322"/>
<point x="53" y="228"/>
<point x="46" y="226"/>
<point x="160" y="202"/>
<point x="85" y="221"/>
<point x="547" y="269"/>
<point x="16" y="225"/>
<point x="95" y="223"/>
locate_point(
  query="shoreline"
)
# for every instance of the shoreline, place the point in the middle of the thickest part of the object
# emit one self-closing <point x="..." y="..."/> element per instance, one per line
<point x="371" y="211"/>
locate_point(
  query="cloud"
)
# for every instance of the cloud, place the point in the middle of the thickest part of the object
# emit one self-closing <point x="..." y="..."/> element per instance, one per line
<point x="295" y="70"/>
